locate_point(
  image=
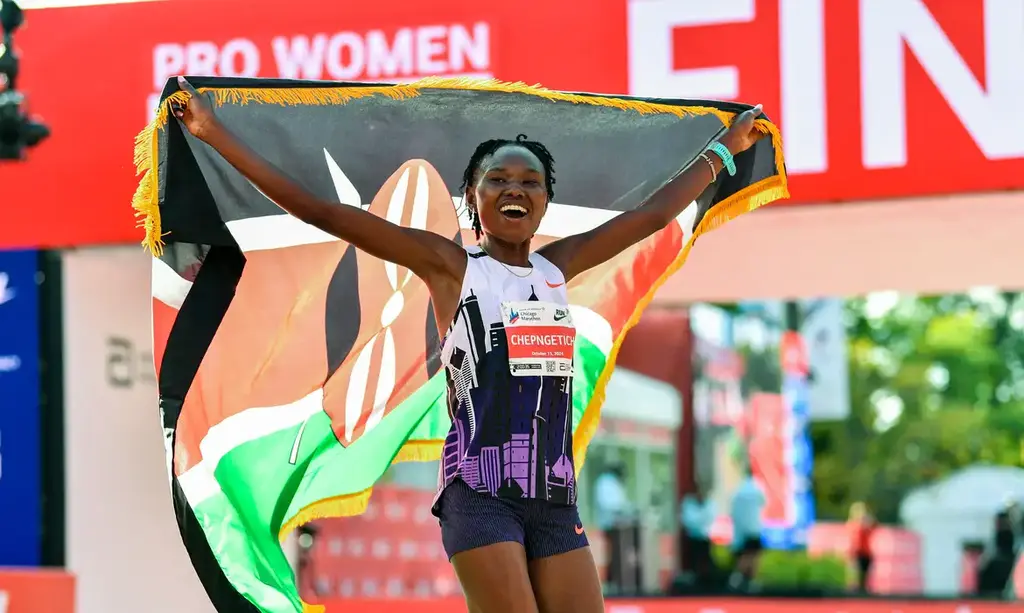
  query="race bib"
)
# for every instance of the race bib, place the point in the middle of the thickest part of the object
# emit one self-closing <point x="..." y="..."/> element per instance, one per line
<point x="541" y="339"/>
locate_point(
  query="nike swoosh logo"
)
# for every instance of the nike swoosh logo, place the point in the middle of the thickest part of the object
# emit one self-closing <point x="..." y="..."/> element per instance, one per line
<point x="579" y="529"/>
<point x="554" y="285"/>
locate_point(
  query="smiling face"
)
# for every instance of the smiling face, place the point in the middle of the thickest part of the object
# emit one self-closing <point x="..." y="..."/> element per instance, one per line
<point x="510" y="194"/>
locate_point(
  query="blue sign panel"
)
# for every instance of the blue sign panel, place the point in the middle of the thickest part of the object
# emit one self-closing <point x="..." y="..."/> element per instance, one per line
<point x="20" y="486"/>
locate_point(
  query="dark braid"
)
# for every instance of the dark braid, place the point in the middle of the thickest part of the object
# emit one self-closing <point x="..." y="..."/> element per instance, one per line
<point x="488" y="148"/>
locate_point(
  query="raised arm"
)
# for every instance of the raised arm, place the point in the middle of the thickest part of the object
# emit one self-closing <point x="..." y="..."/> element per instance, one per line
<point x="426" y="254"/>
<point x="576" y="254"/>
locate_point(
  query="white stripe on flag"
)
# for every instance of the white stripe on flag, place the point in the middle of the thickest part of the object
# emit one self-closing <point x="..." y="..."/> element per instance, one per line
<point x="198" y="483"/>
<point x="561" y="220"/>
<point x="593" y="327"/>
<point x="280" y="231"/>
<point x="168" y="286"/>
<point x="686" y="219"/>
<point x="275" y="232"/>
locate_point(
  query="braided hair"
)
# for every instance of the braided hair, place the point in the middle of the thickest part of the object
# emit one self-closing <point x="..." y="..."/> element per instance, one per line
<point x="488" y="148"/>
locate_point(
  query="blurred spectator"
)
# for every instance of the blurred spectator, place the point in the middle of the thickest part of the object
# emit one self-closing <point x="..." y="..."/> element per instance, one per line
<point x="697" y="513"/>
<point x="612" y="511"/>
<point x="747" y="505"/>
<point x="1015" y="513"/>
<point x="1005" y="535"/>
<point x="997" y="565"/>
<point x="861" y="527"/>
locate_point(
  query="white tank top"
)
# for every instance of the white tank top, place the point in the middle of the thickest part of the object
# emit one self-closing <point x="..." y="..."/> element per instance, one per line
<point x="508" y="362"/>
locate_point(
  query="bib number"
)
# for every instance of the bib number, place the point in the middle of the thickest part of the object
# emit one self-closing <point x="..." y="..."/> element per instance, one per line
<point x="541" y="339"/>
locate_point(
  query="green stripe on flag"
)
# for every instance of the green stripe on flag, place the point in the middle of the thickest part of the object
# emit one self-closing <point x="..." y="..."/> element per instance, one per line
<point x="589" y="364"/>
<point x="242" y="523"/>
<point x="593" y="344"/>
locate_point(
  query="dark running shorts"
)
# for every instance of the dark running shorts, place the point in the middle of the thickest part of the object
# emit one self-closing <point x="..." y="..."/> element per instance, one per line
<point x="470" y="519"/>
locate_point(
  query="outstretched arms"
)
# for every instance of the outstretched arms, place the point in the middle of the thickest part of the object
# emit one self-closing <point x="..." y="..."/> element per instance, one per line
<point x="426" y="254"/>
<point x="579" y="253"/>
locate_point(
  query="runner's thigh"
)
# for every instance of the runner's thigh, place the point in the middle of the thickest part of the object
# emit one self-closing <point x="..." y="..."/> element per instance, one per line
<point x="495" y="579"/>
<point x="567" y="583"/>
<point x="483" y="537"/>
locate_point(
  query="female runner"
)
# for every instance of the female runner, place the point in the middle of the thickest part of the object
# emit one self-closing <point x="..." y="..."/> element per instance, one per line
<point x="507" y="505"/>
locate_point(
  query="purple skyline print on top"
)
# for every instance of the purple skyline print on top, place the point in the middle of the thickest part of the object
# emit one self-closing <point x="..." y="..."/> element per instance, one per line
<point x="510" y="436"/>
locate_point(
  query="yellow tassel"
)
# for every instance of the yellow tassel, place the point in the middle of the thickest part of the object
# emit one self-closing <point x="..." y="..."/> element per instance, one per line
<point x="146" y="200"/>
<point x="307" y="96"/>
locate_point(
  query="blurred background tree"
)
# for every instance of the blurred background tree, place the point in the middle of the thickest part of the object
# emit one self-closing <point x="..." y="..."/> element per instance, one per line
<point x="936" y="384"/>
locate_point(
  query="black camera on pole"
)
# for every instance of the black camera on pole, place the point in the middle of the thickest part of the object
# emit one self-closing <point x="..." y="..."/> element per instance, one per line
<point x="18" y="131"/>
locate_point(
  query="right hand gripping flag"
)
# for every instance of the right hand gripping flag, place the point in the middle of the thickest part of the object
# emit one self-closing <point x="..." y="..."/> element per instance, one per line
<point x="294" y="369"/>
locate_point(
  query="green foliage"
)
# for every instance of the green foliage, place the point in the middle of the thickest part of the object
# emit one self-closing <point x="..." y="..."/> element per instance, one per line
<point x="792" y="570"/>
<point x="795" y="570"/>
<point x="936" y="383"/>
<point x="721" y="556"/>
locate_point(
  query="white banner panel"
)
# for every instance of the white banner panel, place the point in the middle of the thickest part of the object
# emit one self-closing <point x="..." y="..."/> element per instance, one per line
<point x="122" y="539"/>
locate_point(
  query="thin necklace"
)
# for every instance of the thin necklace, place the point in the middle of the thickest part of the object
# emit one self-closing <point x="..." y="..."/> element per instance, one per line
<point x="506" y="267"/>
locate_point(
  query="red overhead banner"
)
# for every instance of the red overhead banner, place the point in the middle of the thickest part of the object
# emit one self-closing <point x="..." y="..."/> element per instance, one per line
<point x="899" y="98"/>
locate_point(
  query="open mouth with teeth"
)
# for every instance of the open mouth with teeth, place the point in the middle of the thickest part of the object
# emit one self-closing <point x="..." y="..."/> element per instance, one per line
<point x="512" y="211"/>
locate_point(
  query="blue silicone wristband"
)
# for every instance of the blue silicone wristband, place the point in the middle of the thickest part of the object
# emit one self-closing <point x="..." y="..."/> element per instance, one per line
<point x="726" y="156"/>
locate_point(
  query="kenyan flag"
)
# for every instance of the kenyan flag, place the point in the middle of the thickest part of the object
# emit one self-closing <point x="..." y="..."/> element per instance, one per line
<point x="294" y="369"/>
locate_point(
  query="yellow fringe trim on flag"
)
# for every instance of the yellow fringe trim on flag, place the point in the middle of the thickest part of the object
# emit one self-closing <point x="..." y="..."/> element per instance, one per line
<point x="355" y="504"/>
<point x="146" y="201"/>
<point x="747" y="199"/>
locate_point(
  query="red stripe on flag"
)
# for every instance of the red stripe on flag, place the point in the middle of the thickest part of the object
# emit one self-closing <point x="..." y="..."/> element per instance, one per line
<point x="269" y="348"/>
<point x="614" y="288"/>
<point x="163" y="321"/>
<point x="394" y="305"/>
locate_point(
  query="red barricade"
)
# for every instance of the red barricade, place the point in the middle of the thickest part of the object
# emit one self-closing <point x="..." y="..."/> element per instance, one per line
<point x="36" y="591"/>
